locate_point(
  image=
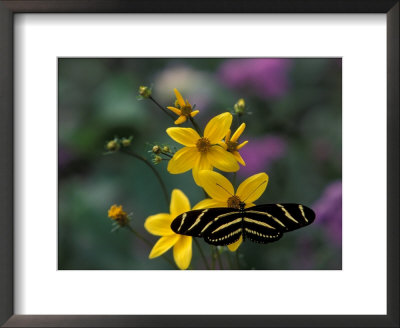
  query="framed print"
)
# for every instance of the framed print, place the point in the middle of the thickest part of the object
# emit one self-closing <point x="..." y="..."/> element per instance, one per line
<point x="163" y="162"/>
<point x="264" y="151"/>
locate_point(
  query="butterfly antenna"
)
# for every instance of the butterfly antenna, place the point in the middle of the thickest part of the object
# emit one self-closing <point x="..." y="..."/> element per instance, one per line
<point x="224" y="189"/>
<point x="254" y="190"/>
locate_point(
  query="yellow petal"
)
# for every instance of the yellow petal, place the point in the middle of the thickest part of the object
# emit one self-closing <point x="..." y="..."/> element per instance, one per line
<point x="163" y="245"/>
<point x="222" y="159"/>
<point x="202" y="164"/>
<point x="159" y="224"/>
<point x="179" y="97"/>
<point x="238" y="157"/>
<point x="183" y="160"/>
<point x="233" y="247"/>
<point x="179" y="203"/>
<point x="238" y="132"/>
<point x="175" y="110"/>
<point x="216" y="186"/>
<point x="242" y="144"/>
<point x="194" y="113"/>
<point x="249" y="205"/>
<point x="180" y="120"/>
<point x="185" y="136"/>
<point x="217" y="127"/>
<point x="228" y="135"/>
<point x="252" y="188"/>
<point x="183" y="252"/>
<point x="209" y="203"/>
<point x="223" y="145"/>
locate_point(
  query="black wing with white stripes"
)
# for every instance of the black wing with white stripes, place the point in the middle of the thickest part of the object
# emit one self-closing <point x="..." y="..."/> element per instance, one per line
<point x="262" y="223"/>
<point x="266" y="223"/>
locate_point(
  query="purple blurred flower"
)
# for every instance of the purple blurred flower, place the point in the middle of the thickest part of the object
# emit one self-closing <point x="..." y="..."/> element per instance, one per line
<point x="267" y="77"/>
<point x="260" y="153"/>
<point x="328" y="210"/>
<point x="304" y="258"/>
<point x="322" y="150"/>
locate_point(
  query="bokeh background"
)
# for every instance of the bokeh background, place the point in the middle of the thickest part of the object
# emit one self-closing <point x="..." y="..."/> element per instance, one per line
<point x="293" y="122"/>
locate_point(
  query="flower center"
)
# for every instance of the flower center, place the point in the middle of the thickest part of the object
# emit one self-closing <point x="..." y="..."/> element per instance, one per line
<point x="186" y="110"/>
<point x="234" y="202"/>
<point x="203" y="145"/>
<point x="232" y="145"/>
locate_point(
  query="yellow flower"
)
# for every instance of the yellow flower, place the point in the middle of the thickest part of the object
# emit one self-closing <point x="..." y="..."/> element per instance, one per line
<point x="117" y="214"/>
<point x="202" y="153"/>
<point x="182" y="108"/>
<point x="223" y="194"/>
<point x="160" y="225"/>
<point x="231" y="143"/>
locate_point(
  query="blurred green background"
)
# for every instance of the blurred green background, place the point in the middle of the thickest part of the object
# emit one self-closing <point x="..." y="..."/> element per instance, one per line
<point x="294" y="130"/>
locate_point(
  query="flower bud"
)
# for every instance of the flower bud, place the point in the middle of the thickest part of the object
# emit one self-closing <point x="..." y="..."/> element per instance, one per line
<point x="156" y="149"/>
<point x="126" y="142"/>
<point x="166" y="149"/>
<point x="157" y="159"/>
<point x="144" y="91"/>
<point x="240" y="106"/>
<point x="112" y="145"/>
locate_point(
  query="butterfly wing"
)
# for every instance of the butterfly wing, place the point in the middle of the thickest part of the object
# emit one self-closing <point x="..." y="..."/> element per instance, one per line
<point x="225" y="229"/>
<point x="197" y="222"/>
<point x="262" y="223"/>
<point x="267" y="223"/>
<point x="283" y="217"/>
<point x="260" y="228"/>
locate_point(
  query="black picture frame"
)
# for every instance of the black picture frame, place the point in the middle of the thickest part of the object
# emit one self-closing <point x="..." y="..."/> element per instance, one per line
<point x="10" y="7"/>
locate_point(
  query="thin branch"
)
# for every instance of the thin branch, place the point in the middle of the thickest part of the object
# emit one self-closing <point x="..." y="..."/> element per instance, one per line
<point x="195" y="125"/>
<point x="163" y="187"/>
<point x="201" y="253"/>
<point x="149" y="243"/>
<point x="219" y="258"/>
<point x="161" y="107"/>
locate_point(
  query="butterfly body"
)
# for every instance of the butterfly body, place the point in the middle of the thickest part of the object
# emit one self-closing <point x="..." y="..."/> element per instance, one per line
<point x="262" y="223"/>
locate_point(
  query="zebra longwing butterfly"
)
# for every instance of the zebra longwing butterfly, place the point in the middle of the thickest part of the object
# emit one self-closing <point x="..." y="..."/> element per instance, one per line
<point x="262" y="223"/>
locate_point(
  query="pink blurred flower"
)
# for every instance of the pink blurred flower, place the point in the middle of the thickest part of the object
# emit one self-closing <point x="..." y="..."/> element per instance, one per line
<point x="259" y="153"/>
<point x="328" y="210"/>
<point x="197" y="86"/>
<point x="267" y="77"/>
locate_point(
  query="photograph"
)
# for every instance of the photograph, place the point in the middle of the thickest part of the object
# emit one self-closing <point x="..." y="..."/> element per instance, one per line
<point x="199" y="163"/>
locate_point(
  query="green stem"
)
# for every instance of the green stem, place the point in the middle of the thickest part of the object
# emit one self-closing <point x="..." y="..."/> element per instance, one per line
<point x="212" y="258"/>
<point x="228" y="256"/>
<point x="195" y="125"/>
<point x="163" y="187"/>
<point x="219" y="258"/>
<point x="237" y="259"/>
<point x="166" y="154"/>
<point x="201" y="253"/>
<point x="139" y="235"/>
<point x="162" y="108"/>
<point x="238" y="120"/>
<point x="149" y="243"/>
